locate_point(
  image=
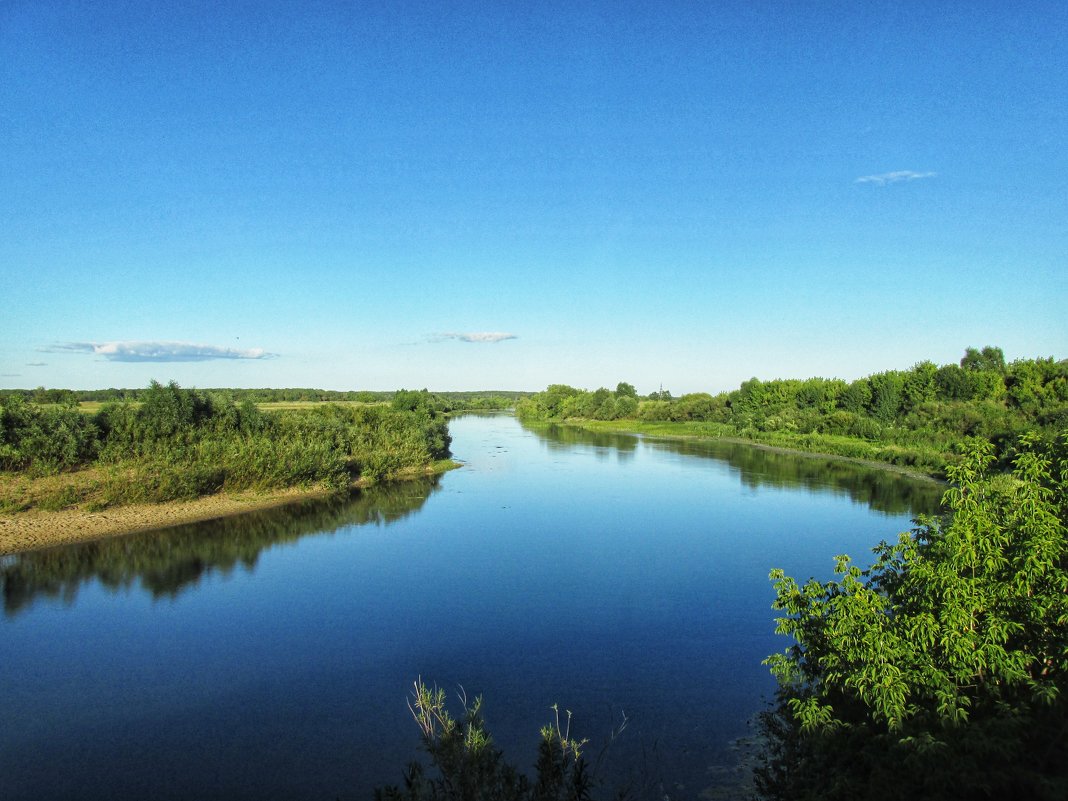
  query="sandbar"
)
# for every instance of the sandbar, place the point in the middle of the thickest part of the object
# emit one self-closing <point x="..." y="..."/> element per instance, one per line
<point x="35" y="529"/>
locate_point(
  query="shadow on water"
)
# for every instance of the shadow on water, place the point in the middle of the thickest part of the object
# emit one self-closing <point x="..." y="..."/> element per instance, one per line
<point x="167" y="561"/>
<point x="881" y="489"/>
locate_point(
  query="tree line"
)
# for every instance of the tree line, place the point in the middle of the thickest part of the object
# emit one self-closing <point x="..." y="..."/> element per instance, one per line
<point x="454" y="401"/>
<point x="920" y="413"/>
<point x="182" y="443"/>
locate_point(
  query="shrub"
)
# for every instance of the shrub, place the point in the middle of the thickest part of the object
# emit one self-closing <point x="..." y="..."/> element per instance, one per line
<point x="470" y="768"/>
<point x="942" y="670"/>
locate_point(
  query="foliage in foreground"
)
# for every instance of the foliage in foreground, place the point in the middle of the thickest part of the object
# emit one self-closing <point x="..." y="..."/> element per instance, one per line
<point x="941" y="671"/>
<point x="466" y="766"/>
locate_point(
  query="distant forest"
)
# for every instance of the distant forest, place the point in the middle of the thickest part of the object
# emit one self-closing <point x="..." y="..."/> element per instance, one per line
<point x="913" y="417"/>
<point x="478" y="399"/>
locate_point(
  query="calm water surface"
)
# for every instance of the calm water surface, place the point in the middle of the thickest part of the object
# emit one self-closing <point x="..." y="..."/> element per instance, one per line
<point x="269" y="656"/>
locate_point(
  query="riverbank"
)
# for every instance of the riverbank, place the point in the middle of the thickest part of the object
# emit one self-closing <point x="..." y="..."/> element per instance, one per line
<point x="838" y="448"/>
<point x="35" y="529"/>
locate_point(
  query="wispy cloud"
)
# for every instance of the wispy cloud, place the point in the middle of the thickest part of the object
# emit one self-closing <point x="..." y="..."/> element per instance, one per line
<point x="475" y="336"/>
<point x="36" y="364"/>
<point x="162" y="351"/>
<point x="894" y="177"/>
<point x="10" y="375"/>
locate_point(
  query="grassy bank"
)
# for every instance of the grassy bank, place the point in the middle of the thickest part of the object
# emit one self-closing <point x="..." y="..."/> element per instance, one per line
<point x="181" y="444"/>
<point x="98" y="489"/>
<point x="917" y="419"/>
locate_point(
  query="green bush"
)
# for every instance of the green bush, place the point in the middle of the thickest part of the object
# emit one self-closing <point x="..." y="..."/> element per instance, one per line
<point x="940" y="672"/>
<point x="45" y="439"/>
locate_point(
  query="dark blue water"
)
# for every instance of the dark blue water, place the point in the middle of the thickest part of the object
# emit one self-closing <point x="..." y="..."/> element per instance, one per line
<point x="269" y="657"/>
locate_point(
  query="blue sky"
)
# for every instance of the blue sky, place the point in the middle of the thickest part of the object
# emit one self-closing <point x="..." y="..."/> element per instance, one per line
<point x="507" y="195"/>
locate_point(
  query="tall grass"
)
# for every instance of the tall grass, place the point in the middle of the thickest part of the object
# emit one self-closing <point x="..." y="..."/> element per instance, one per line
<point x="179" y="444"/>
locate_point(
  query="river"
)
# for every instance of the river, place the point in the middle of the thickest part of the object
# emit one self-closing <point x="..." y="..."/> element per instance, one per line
<point x="270" y="656"/>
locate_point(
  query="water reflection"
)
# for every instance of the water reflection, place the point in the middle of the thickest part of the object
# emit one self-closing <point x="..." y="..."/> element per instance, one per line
<point x="168" y="561"/>
<point x="880" y="489"/>
<point x="562" y="438"/>
<point x="606" y="443"/>
<point x="605" y="572"/>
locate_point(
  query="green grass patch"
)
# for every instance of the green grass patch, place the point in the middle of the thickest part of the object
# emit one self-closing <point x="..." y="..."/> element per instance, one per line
<point x="279" y="406"/>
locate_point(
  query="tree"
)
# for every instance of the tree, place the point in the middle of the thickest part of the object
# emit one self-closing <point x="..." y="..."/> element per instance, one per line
<point x="952" y="383"/>
<point x="820" y="394"/>
<point x="412" y="400"/>
<point x="168" y="410"/>
<point x="749" y="402"/>
<point x="856" y="398"/>
<point x="625" y="390"/>
<point x="44" y="439"/>
<point x="553" y="403"/>
<point x="948" y="656"/>
<point x="1034" y="384"/>
<point x="919" y="385"/>
<point x="598" y="405"/>
<point x="695" y="406"/>
<point x="626" y="407"/>
<point x="989" y="358"/>
<point x="887" y="395"/>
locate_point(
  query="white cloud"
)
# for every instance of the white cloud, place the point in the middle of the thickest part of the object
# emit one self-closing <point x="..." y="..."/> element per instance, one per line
<point x="894" y="177"/>
<point x="477" y="336"/>
<point x="162" y="351"/>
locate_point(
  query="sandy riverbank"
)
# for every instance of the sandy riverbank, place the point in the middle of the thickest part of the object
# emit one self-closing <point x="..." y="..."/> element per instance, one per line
<point x="35" y="529"/>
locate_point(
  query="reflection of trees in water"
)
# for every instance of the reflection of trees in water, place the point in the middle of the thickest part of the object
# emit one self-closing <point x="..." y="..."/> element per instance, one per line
<point x="882" y="490"/>
<point x="167" y="561"/>
<point x="562" y="437"/>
